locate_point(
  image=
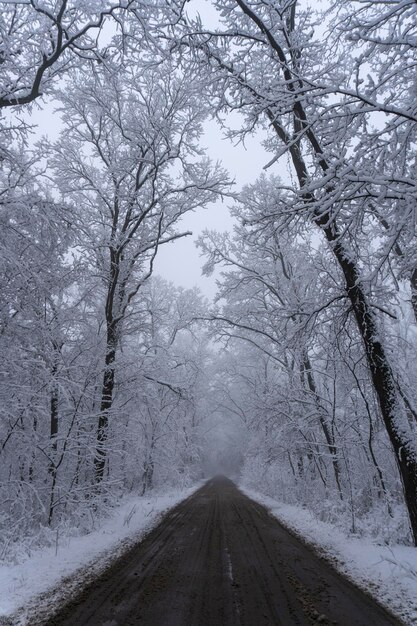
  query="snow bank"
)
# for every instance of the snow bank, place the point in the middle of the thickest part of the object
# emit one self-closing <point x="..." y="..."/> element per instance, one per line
<point x="52" y="575"/>
<point x="389" y="573"/>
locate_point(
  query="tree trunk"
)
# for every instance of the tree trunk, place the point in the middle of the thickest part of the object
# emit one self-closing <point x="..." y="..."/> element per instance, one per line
<point x="54" y="416"/>
<point x="107" y="391"/>
<point x="307" y="370"/>
<point x="383" y="380"/>
<point x="147" y="476"/>
<point x="148" y="469"/>
<point x="413" y="284"/>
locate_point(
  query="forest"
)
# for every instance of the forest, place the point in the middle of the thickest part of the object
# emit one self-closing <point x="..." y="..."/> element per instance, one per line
<point x="300" y="376"/>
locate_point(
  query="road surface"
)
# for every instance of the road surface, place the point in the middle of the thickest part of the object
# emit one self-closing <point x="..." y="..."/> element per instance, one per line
<point x="220" y="559"/>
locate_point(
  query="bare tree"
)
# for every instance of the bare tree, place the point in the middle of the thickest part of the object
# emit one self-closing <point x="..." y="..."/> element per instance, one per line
<point x="130" y="159"/>
<point x="41" y="40"/>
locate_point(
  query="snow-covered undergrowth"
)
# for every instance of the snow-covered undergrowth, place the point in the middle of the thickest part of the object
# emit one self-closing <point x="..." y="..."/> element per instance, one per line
<point x="52" y="574"/>
<point x="364" y="511"/>
<point x="389" y="573"/>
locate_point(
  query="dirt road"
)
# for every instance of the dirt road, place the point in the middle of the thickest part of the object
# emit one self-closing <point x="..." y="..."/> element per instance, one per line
<point x="220" y="559"/>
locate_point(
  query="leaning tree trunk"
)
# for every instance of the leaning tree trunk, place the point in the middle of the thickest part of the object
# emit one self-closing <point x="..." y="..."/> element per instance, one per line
<point x="383" y="380"/>
<point x="381" y="373"/>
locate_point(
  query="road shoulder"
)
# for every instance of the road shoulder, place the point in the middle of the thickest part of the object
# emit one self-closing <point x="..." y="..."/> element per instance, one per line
<point x="387" y="573"/>
<point x="33" y="590"/>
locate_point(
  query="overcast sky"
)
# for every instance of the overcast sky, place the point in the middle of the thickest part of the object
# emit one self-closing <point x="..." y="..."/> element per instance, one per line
<point x="181" y="262"/>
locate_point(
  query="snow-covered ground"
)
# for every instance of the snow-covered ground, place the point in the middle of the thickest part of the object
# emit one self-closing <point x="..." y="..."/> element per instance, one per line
<point x="52" y="575"/>
<point x="389" y="573"/>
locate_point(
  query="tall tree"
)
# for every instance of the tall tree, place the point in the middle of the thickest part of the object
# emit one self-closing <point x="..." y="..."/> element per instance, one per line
<point x="129" y="156"/>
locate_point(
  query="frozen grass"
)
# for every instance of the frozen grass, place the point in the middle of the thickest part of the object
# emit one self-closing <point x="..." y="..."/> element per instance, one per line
<point x="389" y="573"/>
<point x="52" y="575"/>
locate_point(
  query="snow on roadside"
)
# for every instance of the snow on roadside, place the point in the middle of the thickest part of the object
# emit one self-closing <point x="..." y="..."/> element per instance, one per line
<point x="389" y="573"/>
<point x="51" y="576"/>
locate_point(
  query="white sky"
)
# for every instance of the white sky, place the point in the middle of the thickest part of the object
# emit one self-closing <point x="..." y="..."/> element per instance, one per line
<point x="181" y="262"/>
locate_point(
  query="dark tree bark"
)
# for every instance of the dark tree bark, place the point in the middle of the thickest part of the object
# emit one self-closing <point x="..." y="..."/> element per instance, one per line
<point x="381" y="373"/>
<point x="107" y="391"/>
<point x="54" y="425"/>
<point x="328" y="435"/>
<point x="112" y="329"/>
<point x="54" y="397"/>
<point x="378" y="362"/>
<point x="413" y="284"/>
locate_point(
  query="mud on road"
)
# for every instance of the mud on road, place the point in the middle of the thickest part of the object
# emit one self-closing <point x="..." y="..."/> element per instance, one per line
<point x="220" y="559"/>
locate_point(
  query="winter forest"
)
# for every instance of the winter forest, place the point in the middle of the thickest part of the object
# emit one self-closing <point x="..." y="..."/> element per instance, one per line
<point x="300" y="376"/>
